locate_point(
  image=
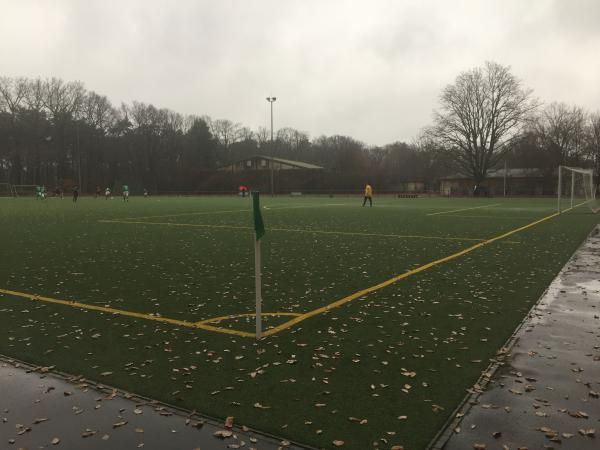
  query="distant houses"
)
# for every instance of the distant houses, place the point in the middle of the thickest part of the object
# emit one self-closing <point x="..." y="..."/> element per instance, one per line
<point x="518" y="181"/>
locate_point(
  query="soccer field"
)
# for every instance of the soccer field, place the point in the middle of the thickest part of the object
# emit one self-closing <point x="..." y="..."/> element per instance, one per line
<point x="376" y="319"/>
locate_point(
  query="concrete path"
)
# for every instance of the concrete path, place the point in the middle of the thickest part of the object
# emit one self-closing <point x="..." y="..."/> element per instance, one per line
<point x="46" y="411"/>
<point x="545" y="394"/>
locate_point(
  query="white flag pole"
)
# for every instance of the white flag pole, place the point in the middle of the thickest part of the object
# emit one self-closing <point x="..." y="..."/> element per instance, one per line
<point x="257" y="278"/>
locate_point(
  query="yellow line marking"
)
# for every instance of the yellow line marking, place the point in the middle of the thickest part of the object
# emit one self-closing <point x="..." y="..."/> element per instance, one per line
<point x="298" y="230"/>
<point x="393" y="280"/>
<point x="203" y="325"/>
<point x="463" y="209"/>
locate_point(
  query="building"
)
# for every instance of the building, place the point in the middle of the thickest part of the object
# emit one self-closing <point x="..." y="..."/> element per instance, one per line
<point x="515" y="181"/>
<point x="265" y="162"/>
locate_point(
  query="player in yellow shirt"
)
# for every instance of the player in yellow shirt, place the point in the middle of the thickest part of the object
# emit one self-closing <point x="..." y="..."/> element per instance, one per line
<point x="368" y="195"/>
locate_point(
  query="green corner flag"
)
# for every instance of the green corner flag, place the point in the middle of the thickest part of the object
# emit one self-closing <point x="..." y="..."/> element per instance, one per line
<point x="259" y="226"/>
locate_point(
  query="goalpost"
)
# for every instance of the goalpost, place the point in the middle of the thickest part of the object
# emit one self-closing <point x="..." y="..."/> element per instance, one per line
<point x="576" y="186"/>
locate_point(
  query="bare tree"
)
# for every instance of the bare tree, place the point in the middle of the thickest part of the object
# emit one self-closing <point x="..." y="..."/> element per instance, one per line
<point x="246" y="134"/>
<point x="34" y="97"/>
<point x="593" y="143"/>
<point x="479" y="115"/>
<point x="226" y="132"/>
<point x="12" y="93"/>
<point x="263" y="136"/>
<point x="562" y="128"/>
<point x="292" y="140"/>
<point x="97" y="111"/>
<point x="63" y="99"/>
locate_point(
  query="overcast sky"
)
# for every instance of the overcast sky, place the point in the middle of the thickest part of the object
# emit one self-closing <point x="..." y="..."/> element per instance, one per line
<point x="372" y="69"/>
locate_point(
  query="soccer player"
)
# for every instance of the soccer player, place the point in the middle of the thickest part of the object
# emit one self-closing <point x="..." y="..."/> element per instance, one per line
<point x="97" y="192"/>
<point x="368" y="195"/>
<point x="107" y="193"/>
<point x="145" y="193"/>
<point x="125" y="193"/>
<point x="75" y="194"/>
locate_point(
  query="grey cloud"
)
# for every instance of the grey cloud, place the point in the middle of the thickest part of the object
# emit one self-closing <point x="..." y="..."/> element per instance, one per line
<point x="372" y="70"/>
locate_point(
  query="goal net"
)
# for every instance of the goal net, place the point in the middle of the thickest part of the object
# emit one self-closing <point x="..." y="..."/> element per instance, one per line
<point x="576" y="187"/>
<point x="6" y="190"/>
<point x="25" y="190"/>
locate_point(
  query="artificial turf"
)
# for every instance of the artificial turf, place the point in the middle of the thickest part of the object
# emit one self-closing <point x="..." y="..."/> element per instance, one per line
<point x="384" y="369"/>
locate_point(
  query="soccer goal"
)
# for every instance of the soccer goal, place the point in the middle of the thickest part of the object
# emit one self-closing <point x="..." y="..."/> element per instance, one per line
<point x="575" y="187"/>
<point x="6" y="190"/>
<point x="24" y="190"/>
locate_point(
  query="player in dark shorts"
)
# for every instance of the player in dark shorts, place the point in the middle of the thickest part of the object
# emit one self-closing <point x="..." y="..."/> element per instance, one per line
<point x="75" y="194"/>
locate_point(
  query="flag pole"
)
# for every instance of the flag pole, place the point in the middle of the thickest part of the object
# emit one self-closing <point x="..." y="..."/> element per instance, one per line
<point x="259" y="230"/>
<point x="257" y="283"/>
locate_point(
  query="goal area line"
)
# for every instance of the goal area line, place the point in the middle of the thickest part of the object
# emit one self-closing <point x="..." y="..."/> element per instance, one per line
<point x="207" y="324"/>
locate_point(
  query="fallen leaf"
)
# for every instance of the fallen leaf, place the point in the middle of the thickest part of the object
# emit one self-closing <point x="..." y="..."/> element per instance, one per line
<point x="223" y="434"/>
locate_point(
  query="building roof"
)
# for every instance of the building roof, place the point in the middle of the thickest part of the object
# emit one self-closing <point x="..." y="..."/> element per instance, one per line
<point x="510" y="173"/>
<point x="289" y="162"/>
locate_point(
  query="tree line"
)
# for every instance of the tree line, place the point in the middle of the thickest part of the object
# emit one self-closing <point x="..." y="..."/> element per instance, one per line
<point x="57" y="133"/>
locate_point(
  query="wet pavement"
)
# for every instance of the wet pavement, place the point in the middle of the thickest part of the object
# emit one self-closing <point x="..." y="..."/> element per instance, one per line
<point x="545" y="391"/>
<point x="41" y="410"/>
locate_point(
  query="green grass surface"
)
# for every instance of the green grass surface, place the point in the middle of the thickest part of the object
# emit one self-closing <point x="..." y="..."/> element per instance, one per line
<point x="443" y="324"/>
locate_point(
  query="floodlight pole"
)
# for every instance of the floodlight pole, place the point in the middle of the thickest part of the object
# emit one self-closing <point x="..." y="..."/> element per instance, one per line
<point x="271" y="100"/>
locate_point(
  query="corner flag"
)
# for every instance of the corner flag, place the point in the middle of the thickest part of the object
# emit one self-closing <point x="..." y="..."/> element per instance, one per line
<point x="259" y="226"/>
<point x="259" y="230"/>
